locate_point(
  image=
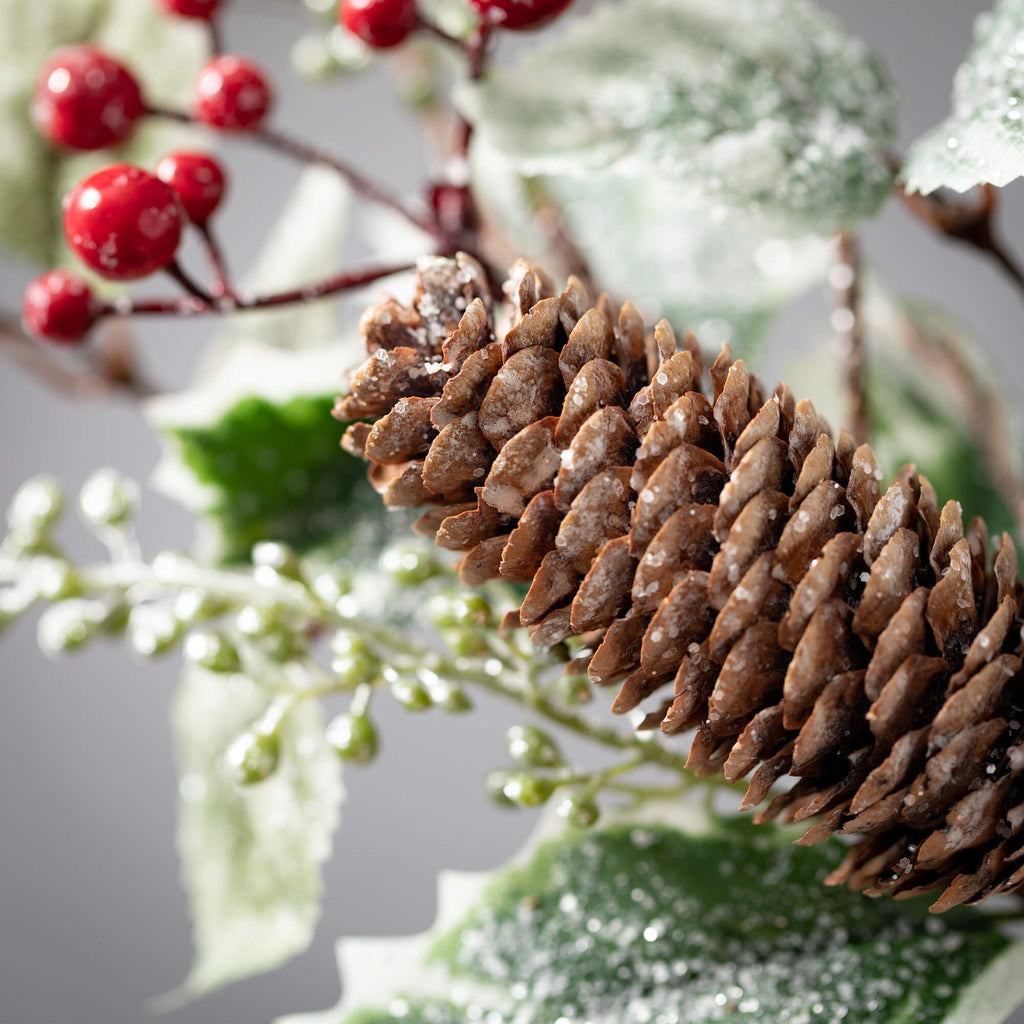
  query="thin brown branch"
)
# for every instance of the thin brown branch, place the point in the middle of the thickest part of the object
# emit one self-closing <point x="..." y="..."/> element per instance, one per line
<point x="221" y="286"/>
<point x="844" y="278"/>
<point x="107" y="369"/>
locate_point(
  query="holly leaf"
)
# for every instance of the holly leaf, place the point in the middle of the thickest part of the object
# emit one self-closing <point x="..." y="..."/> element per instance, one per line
<point x="934" y="400"/>
<point x="251" y="856"/>
<point x="982" y="140"/>
<point x="643" y="922"/>
<point x="766" y="107"/>
<point x="254" y="449"/>
<point x="164" y="52"/>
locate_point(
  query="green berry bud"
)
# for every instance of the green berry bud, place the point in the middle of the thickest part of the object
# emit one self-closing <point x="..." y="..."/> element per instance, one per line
<point x="410" y="693"/>
<point x="277" y="557"/>
<point x="349" y="53"/>
<point x="36" y="506"/>
<point x="312" y="58"/>
<point x="409" y="566"/>
<point x="330" y="587"/>
<point x="67" y="626"/>
<point x="353" y="737"/>
<point x="152" y="630"/>
<point x="213" y="651"/>
<point x="54" y="579"/>
<point x="574" y="689"/>
<point x="108" y="499"/>
<point x="448" y="696"/>
<point x="253" y="757"/>
<point x="258" y="621"/>
<point x="495" y="786"/>
<point x="530" y="746"/>
<point x="527" y="790"/>
<point x="194" y="605"/>
<point x="459" y="610"/>
<point x="578" y="810"/>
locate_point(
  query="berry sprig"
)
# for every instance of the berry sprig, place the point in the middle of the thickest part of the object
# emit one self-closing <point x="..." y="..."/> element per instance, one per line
<point x="126" y="223"/>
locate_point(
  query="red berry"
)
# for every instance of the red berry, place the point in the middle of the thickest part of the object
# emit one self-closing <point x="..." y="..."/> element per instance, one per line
<point x="379" y="23"/>
<point x="202" y="10"/>
<point x="519" y="14"/>
<point x="84" y="99"/>
<point x="199" y="181"/>
<point x="59" y="306"/>
<point x="232" y="93"/>
<point x="123" y="222"/>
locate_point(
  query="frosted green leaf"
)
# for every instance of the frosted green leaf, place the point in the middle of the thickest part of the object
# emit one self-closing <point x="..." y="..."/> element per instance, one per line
<point x="982" y="140"/>
<point x="763" y="106"/>
<point x="164" y="52"/>
<point x="934" y="399"/>
<point x="254" y="449"/>
<point x="251" y="856"/>
<point x="644" y="922"/>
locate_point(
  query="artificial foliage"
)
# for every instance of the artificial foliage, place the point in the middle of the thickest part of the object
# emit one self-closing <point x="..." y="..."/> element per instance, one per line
<point x="532" y="489"/>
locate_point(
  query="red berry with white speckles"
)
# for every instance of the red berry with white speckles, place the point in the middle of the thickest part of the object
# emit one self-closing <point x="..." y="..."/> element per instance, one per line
<point x="232" y="93"/>
<point x="201" y="10"/>
<point x="84" y="99"/>
<point x="59" y="306"/>
<point x="379" y="23"/>
<point x="123" y="222"/>
<point x="199" y="181"/>
<point x="519" y="14"/>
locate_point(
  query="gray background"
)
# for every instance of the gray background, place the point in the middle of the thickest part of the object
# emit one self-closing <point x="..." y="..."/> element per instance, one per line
<point x="93" y="921"/>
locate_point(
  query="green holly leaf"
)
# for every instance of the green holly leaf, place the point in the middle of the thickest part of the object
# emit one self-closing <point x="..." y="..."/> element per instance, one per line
<point x="934" y="399"/>
<point x="251" y="855"/>
<point x="645" y="922"/>
<point x="255" y="450"/>
<point x="164" y="52"/>
<point x="767" y="107"/>
<point x="982" y="140"/>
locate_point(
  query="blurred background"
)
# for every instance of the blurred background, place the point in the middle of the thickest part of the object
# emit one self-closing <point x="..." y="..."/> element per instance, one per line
<point x="93" y="921"/>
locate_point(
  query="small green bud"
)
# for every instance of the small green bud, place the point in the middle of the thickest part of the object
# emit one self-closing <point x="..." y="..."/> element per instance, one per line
<point x="573" y="690"/>
<point x="253" y="757"/>
<point x="54" y="579"/>
<point x="258" y="621"/>
<point x="321" y="7"/>
<point x="356" y="669"/>
<point x="152" y="630"/>
<point x="459" y="611"/>
<point x="36" y="506"/>
<point x="532" y="747"/>
<point x="108" y="499"/>
<point x="578" y="810"/>
<point x="447" y="695"/>
<point x="278" y="557"/>
<point x="212" y="651"/>
<point x="353" y="737"/>
<point x="494" y="783"/>
<point x="68" y="625"/>
<point x="348" y="51"/>
<point x="195" y="605"/>
<point x="409" y="566"/>
<point x="465" y="643"/>
<point x="410" y="693"/>
<point x="312" y="58"/>
<point x="526" y="790"/>
<point x="330" y="587"/>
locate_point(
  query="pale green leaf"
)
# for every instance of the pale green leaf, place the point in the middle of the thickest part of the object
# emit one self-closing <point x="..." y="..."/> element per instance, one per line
<point x="251" y="856"/>
<point x="763" y="106"/>
<point x="164" y="52"/>
<point x="983" y="138"/>
<point x="644" y="922"/>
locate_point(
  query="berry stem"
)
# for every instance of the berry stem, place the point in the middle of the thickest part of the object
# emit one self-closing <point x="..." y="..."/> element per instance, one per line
<point x="477" y="51"/>
<point x="194" y="306"/>
<point x="844" y="278"/>
<point x="221" y="288"/>
<point x="178" y="273"/>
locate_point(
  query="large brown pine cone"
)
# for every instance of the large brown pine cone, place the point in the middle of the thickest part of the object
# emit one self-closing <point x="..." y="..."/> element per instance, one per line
<point x="727" y="551"/>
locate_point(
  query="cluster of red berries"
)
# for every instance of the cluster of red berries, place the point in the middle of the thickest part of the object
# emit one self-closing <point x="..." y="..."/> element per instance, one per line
<point x="125" y="223"/>
<point x="386" y="23"/>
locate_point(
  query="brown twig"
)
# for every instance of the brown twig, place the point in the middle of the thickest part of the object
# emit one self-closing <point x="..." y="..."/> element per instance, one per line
<point x="221" y="286"/>
<point x="967" y="221"/>
<point x="844" y="279"/>
<point x="108" y="367"/>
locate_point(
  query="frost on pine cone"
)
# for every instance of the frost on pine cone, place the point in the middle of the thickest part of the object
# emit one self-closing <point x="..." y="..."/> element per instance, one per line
<point x="724" y="551"/>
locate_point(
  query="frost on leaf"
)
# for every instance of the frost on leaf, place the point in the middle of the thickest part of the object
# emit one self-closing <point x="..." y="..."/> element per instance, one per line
<point x="165" y="53"/>
<point x="639" y="923"/>
<point x="251" y="856"/>
<point x="762" y="106"/>
<point x="982" y="140"/>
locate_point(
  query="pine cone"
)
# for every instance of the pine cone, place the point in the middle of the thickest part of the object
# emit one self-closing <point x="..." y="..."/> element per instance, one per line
<point x="727" y="551"/>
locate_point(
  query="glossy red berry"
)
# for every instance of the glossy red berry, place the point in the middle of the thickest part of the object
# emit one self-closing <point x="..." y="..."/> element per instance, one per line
<point x="59" y="306"/>
<point x="520" y="14"/>
<point x="232" y="93"/>
<point x="84" y="99"/>
<point x="379" y="23"/>
<point x="123" y="222"/>
<point x="202" y="10"/>
<point x="199" y="181"/>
